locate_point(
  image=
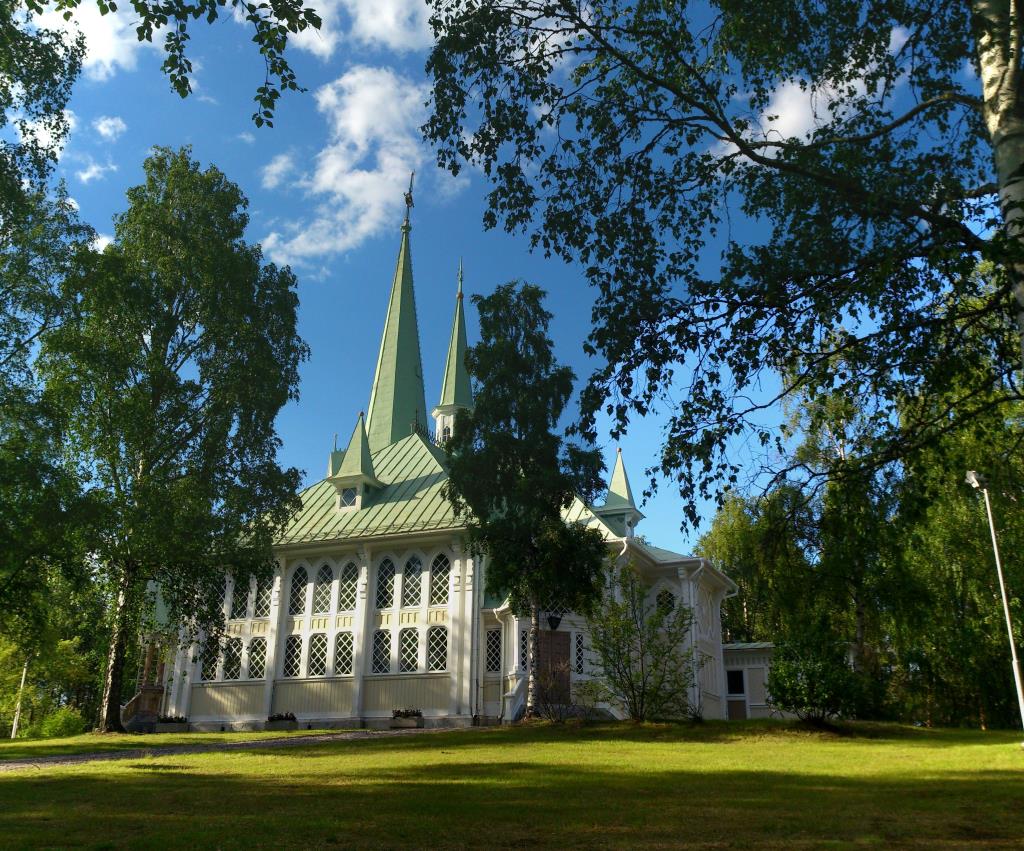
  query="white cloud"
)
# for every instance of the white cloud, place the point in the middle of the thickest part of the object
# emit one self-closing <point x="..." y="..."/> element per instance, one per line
<point x="101" y="241"/>
<point x="374" y="115"/>
<point x="42" y="132"/>
<point x="109" y="126"/>
<point x="94" y="171"/>
<point x="277" y="170"/>
<point x="111" y="40"/>
<point x="247" y="137"/>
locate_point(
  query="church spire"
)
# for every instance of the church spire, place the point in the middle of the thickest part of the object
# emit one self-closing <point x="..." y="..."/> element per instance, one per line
<point x="619" y="510"/>
<point x="397" y="400"/>
<point x="456" y="391"/>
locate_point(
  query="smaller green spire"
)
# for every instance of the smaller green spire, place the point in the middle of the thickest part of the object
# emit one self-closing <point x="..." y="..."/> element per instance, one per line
<point x="456" y="390"/>
<point x="356" y="466"/>
<point x="620" y="494"/>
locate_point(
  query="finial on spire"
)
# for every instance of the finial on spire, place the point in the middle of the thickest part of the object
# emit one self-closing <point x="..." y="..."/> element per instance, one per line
<point x="408" y="198"/>
<point x="335" y="441"/>
<point x="459" y="293"/>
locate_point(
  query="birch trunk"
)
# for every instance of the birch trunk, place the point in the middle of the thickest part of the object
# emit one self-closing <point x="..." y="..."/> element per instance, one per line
<point x="532" y="657"/>
<point x="997" y="27"/>
<point x="110" y="709"/>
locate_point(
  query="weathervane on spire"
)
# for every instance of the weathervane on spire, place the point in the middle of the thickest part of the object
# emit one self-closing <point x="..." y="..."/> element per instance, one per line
<point x="459" y="295"/>
<point x="408" y="197"/>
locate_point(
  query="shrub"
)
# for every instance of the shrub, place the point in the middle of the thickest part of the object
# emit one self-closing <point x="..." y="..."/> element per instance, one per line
<point x="812" y="678"/>
<point x="282" y="716"/>
<point x="406" y="713"/>
<point x="63" y="722"/>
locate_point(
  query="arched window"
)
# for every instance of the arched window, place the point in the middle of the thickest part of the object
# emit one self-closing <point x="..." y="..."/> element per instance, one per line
<point x="437" y="648"/>
<point x="264" y="593"/>
<point x="297" y="596"/>
<point x="240" y="600"/>
<point x="665" y="601"/>
<point x="292" y="663"/>
<point x="386" y="584"/>
<point x="210" y="656"/>
<point x="439" y="572"/>
<point x="347" y="587"/>
<point x="408" y="650"/>
<point x="381" y="661"/>
<point x="343" y="654"/>
<point x="257" y="658"/>
<point x="322" y="590"/>
<point x="412" y="585"/>
<point x="233" y="659"/>
<point x="316" y="662"/>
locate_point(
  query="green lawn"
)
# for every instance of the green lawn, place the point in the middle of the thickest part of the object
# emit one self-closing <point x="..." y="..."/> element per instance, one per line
<point x="616" y="785"/>
<point x="102" y="742"/>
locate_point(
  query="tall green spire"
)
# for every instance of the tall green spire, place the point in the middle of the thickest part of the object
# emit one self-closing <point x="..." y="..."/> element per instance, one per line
<point x="620" y="494"/>
<point x="397" y="401"/>
<point x="455" y="387"/>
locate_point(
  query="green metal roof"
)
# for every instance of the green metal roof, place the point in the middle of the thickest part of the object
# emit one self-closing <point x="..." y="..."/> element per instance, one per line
<point x="357" y="463"/>
<point x="410" y="499"/>
<point x="456" y="391"/>
<point x="397" y="400"/>
<point x="620" y="494"/>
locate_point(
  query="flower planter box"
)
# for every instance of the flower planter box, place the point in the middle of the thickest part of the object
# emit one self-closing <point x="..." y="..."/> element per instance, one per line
<point x="171" y="727"/>
<point x="406" y="723"/>
<point x="282" y="725"/>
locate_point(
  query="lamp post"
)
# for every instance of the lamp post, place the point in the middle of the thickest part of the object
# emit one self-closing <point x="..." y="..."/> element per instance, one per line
<point x="977" y="481"/>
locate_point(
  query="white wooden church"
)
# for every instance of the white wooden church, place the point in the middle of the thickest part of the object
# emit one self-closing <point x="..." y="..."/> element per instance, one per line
<point x="376" y="604"/>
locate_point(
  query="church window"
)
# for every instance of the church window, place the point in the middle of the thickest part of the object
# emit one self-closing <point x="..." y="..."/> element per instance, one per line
<point x="322" y="590"/>
<point x="233" y="659"/>
<point x="347" y="498"/>
<point x="579" y="652"/>
<point x="240" y="600"/>
<point x="292" y="656"/>
<point x="524" y="649"/>
<point x="210" y="658"/>
<point x="257" y="659"/>
<point x="666" y="602"/>
<point x="439" y="573"/>
<point x="446" y="433"/>
<point x="343" y="654"/>
<point x="264" y="592"/>
<point x="437" y="648"/>
<point x="381" y="661"/>
<point x="386" y="584"/>
<point x="316" y="661"/>
<point x="412" y="586"/>
<point x="493" y="651"/>
<point x="734" y="681"/>
<point x="408" y="650"/>
<point x="297" y="597"/>
<point x="347" y="587"/>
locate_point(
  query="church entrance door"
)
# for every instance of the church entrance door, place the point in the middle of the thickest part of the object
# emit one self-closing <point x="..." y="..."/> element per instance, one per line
<point x="553" y="667"/>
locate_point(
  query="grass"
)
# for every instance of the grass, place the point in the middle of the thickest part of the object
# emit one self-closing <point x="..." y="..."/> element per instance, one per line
<point x="106" y="742"/>
<point x="734" y="785"/>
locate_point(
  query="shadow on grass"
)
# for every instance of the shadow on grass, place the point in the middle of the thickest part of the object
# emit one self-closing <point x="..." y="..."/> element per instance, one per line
<point x="469" y="803"/>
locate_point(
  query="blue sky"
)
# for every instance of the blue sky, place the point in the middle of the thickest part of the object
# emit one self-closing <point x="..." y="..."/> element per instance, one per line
<point x="325" y="188"/>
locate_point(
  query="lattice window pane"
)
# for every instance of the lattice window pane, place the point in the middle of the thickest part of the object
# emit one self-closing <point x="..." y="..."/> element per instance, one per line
<point x="264" y="593"/>
<point x="233" y="659"/>
<point x="347" y="497"/>
<point x="524" y="648"/>
<point x="322" y="590"/>
<point x="408" y="650"/>
<point x="292" y="656"/>
<point x="579" y="652"/>
<point x="412" y="584"/>
<point x="240" y="600"/>
<point x="493" y="651"/>
<point x="343" y="653"/>
<point x="347" y="587"/>
<point x="381" y="661"/>
<point x="257" y="659"/>
<point x="316" y="662"/>
<point x="439" y="572"/>
<point x="386" y="584"/>
<point x="437" y="648"/>
<point x="297" y="595"/>
<point x="666" y="602"/>
<point x="210" y="658"/>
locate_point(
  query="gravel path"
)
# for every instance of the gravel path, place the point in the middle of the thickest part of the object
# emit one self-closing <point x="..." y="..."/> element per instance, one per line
<point x="173" y="750"/>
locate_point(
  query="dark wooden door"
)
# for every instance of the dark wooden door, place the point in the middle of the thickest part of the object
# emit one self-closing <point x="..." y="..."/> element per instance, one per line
<point x="553" y="665"/>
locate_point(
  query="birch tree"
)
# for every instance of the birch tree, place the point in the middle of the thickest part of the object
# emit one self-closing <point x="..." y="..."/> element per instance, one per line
<point x="759" y="193"/>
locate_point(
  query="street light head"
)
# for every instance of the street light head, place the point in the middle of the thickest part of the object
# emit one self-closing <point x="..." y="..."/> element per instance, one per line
<point x="975" y="480"/>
